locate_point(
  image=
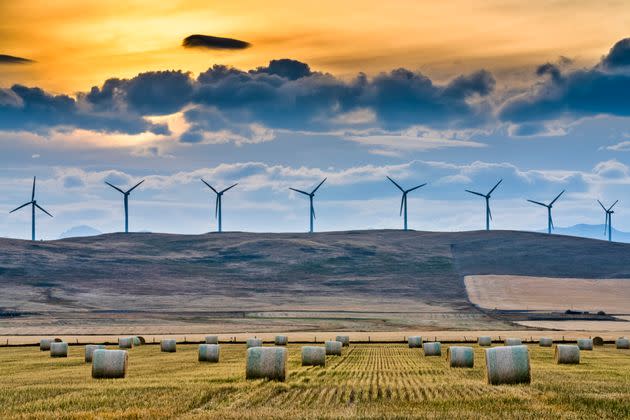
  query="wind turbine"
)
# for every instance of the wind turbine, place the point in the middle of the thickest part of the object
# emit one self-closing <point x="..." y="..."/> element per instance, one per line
<point x="217" y="206"/>
<point x="487" y="197"/>
<point x="608" y="224"/>
<point x="403" y="201"/>
<point x="549" y="206"/>
<point x="126" y="200"/>
<point x="310" y="196"/>
<point x="33" y="204"/>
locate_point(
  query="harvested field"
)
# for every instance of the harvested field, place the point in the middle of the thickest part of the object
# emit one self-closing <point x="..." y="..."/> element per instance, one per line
<point x="368" y="380"/>
<point x="505" y="292"/>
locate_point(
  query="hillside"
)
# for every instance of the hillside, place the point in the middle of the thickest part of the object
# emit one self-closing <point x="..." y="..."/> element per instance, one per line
<point x="381" y="279"/>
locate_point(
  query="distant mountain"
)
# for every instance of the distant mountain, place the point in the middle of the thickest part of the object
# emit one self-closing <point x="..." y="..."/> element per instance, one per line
<point x="591" y="231"/>
<point x="78" y="231"/>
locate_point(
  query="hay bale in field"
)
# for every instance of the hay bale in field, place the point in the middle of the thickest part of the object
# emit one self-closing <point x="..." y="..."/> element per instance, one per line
<point x="266" y="363"/>
<point x="622" y="343"/>
<point x="44" y="344"/>
<point x="138" y="340"/>
<point x="585" y="343"/>
<point x="432" y="349"/>
<point x="212" y="339"/>
<point x="313" y="356"/>
<point x="281" y="340"/>
<point x="343" y="339"/>
<point x="598" y="341"/>
<point x="567" y="354"/>
<point x="460" y="357"/>
<point x="89" y="351"/>
<point x="414" y="342"/>
<point x="209" y="353"/>
<point x="109" y="363"/>
<point x="254" y="342"/>
<point x="545" y="342"/>
<point x="333" y="348"/>
<point x="168" y="346"/>
<point x="508" y="365"/>
<point x="58" y="349"/>
<point x="484" y="341"/>
<point x="513" y="342"/>
<point x="125" y="342"/>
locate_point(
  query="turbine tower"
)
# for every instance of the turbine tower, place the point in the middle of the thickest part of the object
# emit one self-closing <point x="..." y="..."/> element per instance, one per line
<point x="310" y="196"/>
<point x="217" y="206"/>
<point x="126" y="200"/>
<point x="549" y="207"/>
<point x="33" y="204"/>
<point x="487" y="197"/>
<point x="608" y="224"/>
<point x="403" y="201"/>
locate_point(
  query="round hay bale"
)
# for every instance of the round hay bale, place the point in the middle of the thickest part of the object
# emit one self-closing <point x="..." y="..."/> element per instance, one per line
<point x="266" y="363"/>
<point x="168" y="346"/>
<point x="545" y="342"/>
<point x="138" y="341"/>
<point x="109" y="363"/>
<point x="212" y="339"/>
<point x="598" y="341"/>
<point x="508" y="365"/>
<point x="125" y="342"/>
<point x="333" y="348"/>
<point x="585" y="343"/>
<point x="209" y="353"/>
<point x="460" y="357"/>
<point x="484" y="341"/>
<point x="281" y="340"/>
<point x="44" y="344"/>
<point x="89" y="351"/>
<point x="622" y="343"/>
<point x="343" y="339"/>
<point x="58" y="349"/>
<point x="314" y="356"/>
<point x="513" y="342"/>
<point x="254" y="342"/>
<point x="414" y="342"/>
<point x="432" y="349"/>
<point x="567" y="354"/>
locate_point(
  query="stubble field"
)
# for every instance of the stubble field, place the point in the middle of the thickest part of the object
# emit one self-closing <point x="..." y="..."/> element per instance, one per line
<point x="369" y="381"/>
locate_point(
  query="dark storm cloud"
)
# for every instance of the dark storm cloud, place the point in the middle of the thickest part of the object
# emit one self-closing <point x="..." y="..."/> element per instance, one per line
<point x="214" y="43"/>
<point x="10" y="59"/>
<point x="570" y="95"/>
<point x="33" y="109"/>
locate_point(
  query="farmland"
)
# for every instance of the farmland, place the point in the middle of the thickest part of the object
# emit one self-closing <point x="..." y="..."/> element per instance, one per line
<point x="369" y="380"/>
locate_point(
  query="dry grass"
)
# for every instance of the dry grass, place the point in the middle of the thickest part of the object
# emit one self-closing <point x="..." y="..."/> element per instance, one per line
<point x="372" y="381"/>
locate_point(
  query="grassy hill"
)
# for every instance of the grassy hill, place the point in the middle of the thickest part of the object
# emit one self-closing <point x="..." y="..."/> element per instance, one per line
<point x="380" y="279"/>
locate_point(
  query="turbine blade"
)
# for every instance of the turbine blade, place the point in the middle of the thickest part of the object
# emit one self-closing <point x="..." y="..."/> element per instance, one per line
<point x="606" y="223"/>
<point x="33" y="194"/>
<point x="538" y="202"/>
<point x="489" y="212"/>
<point x="396" y="184"/>
<point x="23" y="205"/>
<point x="476" y="193"/>
<point x="216" y="207"/>
<point x="115" y="187"/>
<point x="613" y="205"/>
<point x="42" y="209"/>
<point x="551" y="222"/>
<point x="402" y="201"/>
<point x="135" y="186"/>
<point x="600" y="203"/>
<point x="300" y="191"/>
<point x="209" y="186"/>
<point x="319" y="185"/>
<point x="416" y="187"/>
<point x="313" y="212"/>
<point x="558" y="196"/>
<point x="229" y="188"/>
<point x="495" y="187"/>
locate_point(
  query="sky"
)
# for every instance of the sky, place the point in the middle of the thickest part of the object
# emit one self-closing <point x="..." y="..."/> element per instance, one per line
<point x="448" y="93"/>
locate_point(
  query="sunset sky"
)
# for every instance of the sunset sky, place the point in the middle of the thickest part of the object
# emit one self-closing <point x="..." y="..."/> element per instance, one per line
<point x="449" y="93"/>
